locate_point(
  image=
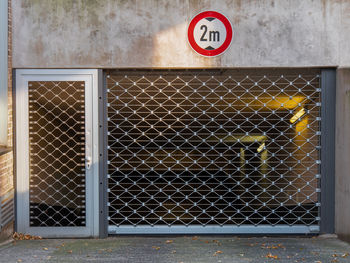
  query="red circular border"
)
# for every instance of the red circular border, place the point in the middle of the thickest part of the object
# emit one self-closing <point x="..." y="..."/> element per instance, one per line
<point x="214" y="52"/>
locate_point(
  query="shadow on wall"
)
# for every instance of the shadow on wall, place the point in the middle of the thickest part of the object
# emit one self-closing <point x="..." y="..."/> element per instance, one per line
<point x="165" y="51"/>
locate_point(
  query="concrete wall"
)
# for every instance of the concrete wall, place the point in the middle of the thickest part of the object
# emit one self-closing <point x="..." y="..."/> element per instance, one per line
<point x="3" y="72"/>
<point x="152" y="33"/>
<point x="342" y="160"/>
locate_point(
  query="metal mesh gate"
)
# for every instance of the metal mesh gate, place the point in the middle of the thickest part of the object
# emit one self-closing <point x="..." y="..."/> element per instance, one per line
<point x="57" y="153"/>
<point x="213" y="148"/>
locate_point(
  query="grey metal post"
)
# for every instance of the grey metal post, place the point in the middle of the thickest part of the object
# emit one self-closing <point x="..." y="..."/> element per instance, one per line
<point x="328" y="86"/>
<point x="103" y="209"/>
<point x="14" y="147"/>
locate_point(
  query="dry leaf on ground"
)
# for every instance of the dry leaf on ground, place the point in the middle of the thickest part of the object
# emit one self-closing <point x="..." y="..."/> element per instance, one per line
<point x="217" y="252"/>
<point x="272" y="246"/>
<point x="21" y="236"/>
<point x="271" y="256"/>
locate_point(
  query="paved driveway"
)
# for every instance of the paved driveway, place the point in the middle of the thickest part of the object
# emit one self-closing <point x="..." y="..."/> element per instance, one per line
<point x="178" y="249"/>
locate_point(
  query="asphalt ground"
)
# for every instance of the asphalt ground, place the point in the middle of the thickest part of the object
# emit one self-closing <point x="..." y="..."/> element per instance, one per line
<point x="178" y="249"/>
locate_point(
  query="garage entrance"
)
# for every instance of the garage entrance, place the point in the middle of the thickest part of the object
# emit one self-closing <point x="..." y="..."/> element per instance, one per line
<point x="213" y="151"/>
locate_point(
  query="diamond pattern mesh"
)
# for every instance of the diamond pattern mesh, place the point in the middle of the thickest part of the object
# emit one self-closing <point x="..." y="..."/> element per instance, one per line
<point x="57" y="152"/>
<point x="213" y="147"/>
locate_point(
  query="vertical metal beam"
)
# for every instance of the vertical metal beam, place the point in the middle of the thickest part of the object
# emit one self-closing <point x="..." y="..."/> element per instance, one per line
<point x="328" y="86"/>
<point x="103" y="154"/>
<point x="14" y="128"/>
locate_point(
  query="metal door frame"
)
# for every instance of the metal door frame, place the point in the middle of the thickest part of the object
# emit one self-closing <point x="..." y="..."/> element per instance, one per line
<point x="327" y="175"/>
<point x="328" y="86"/>
<point x="90" y="76"/>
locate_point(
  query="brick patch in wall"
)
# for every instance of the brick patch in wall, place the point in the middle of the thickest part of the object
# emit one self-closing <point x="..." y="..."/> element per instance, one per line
<point x="6" y="160"/>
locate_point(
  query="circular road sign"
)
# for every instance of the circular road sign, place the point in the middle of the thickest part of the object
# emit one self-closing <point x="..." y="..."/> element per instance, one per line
<point x="210" y="33"/>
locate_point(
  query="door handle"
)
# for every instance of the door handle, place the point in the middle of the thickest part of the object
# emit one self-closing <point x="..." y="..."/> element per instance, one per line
<point x="88" y="162"/>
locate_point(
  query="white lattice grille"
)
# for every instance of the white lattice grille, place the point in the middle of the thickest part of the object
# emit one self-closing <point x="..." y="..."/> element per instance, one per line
<point x="57" y="153"/>
<point x="213" y="147"/>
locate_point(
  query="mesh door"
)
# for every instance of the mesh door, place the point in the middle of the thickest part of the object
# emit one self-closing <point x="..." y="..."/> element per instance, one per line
<point x="213" y="147"/>
<point x="57" y="153"/>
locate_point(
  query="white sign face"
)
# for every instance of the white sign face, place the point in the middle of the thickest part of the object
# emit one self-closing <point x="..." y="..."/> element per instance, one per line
<point x="209" y="33"/>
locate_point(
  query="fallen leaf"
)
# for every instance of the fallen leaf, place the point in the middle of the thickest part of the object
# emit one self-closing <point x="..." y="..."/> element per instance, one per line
<point x="155" y="247"/>
<point x="264" y="246"/>
<point x="271" y="256"/>
<point x="169" y="241"/>
<point x="345" y="255"/>
<point x="20" y="260"/>
<point x="194" y="238"/>
<point x="45" y="248"/>
<point x="20" y="236"/>
<point x="173" y="251"/>
<point x="217" y="252"/>
<point x="69" y="251"/>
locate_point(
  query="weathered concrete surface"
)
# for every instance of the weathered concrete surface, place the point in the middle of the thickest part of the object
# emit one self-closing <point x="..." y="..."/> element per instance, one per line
<point x="342" y="158"/>
<point x="152" y="33"/>
<point x="178" y="249"/>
